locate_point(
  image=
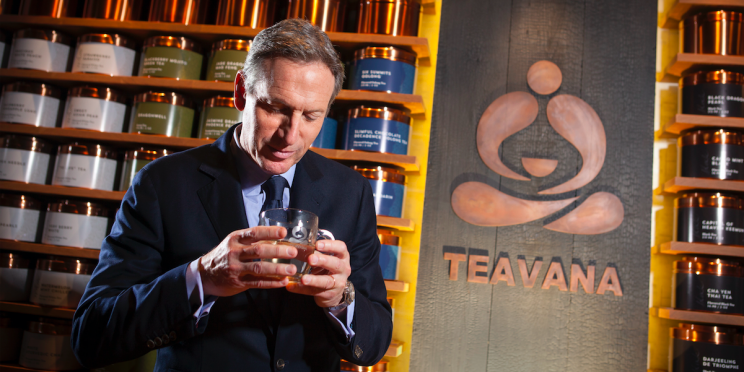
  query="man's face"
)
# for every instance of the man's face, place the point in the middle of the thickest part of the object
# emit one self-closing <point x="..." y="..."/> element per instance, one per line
<point x="286" y="114"/>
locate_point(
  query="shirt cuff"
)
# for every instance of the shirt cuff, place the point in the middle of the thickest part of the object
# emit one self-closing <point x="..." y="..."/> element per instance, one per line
<point x="195" y="289"/>
<point x="337" y="319"/>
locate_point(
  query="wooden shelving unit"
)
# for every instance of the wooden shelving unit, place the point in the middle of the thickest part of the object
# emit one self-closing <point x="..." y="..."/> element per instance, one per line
<point x="683" y="61"/>
<point x="10" y="245"/>
<point x="395" y="349"/>
<point x="679" y="184"/>
<point x="683" y="7"/>
<point x="62" y="191"/>
<point x="402" y="224"/>
<point x="16" y="368"/>
<point x="681" y="122"/>
<point x="676" y="248"/>
<point x="31" y="309"/>
<point x="698" y="316"/>
<point x="396" y="286"/>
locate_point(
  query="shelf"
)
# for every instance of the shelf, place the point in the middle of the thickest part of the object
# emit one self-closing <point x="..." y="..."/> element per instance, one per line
<point x="683" y="61"/>
<point x="16" y="368"/>
<point x="395" y="349"/>
<point x="700" y="248"/>
<point x="56" y="250"/>
<point x="683" y="7"/>
<point x="682" y="122"/>
<point x="73" y="192"/>
<point x="31" y="309"/>
<point x="401" y="224"/>
<point x="207" y="34"/>
<point x="698" y="316"/>
<point x="407" y="162"/>
<point x="197" y="89"/>
<point x="396" y="285"/>
<point x="678" y="184"/>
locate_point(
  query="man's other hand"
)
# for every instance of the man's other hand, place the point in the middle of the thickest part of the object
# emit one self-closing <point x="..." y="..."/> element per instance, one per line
<point x="331" y="269"/>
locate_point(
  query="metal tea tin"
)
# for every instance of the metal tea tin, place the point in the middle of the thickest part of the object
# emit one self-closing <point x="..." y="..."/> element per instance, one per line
<point x="19" y="217"/>
<point x="11" y="334"/>
<point x="106" y="54"/>
<point x="24" y="159"/>
<point x="709" y="217"/>
<point x="135" y="160"/>
<point x="218" y="115"/>
<point x="389" y="254"/>
<point x="170" y="57"/>
<point x="711" y="153"/>
<point x="45" y="50"/>
<point x="381" y="366"/>
<point x="712" y="32"/>
<point x="389" y="17"/>
<point x="386" y="69"/>
<point x="15" y="277"/>
<point x="75" y="224"/>
<point x="227" y="58"/>
<point x="164" y="113"/>
<point x="46" y="346"/>
<point x="186" y="12"/>
<point x="328" y="15"/>
<point x="697" y="347"/>
<point x="30" y="103"/>
<point x="93" y="108"/>
<point x="49" y="8"/>
<point x="326" y="138"/>
<point x="60" y="281"/>
<point x="3" y="47"/>
<point x="246" y="13"/>
<point x="90" y="166"/>
<point x="117" y="10"/>
<point x="388" y="188"/>
<point x="717" y="93"/>
<point x="377" y="129"/>
<point x="708" y="284"/>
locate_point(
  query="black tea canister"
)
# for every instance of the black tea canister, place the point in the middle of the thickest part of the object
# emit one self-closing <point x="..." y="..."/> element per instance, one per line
<point x="709" y="217"/>
<point x="708" y="284"/>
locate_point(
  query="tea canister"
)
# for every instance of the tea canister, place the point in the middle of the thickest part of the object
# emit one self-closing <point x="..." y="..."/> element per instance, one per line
<point x="187" y="12"/>
<point x="386" y="69"/>
<point x="19" y="217"/>
<point x="218" y="115"/>
<point x="45" y="50"/>
<point x="107" y="54"/>
<point x="711" y="153"/>
<point x="246" y="13"/>
<point x="11" y="334"/>
<point x="117" y="10"/>
<point x="30" y="103"/>
<point x="3" y="46"/>
<point x="381" y="366"/>
<point x="377" y="129"/>
<point x="388" y="188"/>
<point x="49" y="8"/>
<point x="94" y="108"/>
<point x="328" y="15"/>
<point x="165" y="113"/>
<point x="227" y="58"/>
<point x="716" y="93"/>
<point x="75" y="224"/>
<point x="326" y="139"/>
<point x="60" y="281"/>
<point x="708" y="284"/>
<point x="170" y="57"/>
<point x="90" y="166"/>
<point x="389" y="17"/>
<point x="712" y="32"/>
<point x="712" y="348"/>
<point x="389" y="254"/>
<point x="46" y="346"/>
<point x="24" y="159"/>
<point x="135" y="160"/>
<point x="709" y="217"/>
<point x="15" y="277"/>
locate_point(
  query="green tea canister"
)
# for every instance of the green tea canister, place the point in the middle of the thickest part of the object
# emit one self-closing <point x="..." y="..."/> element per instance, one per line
<point x="218" y="115"/>
<point x="227" y="58"/>
<point x="135" y="160"/>
<point x="164" y="113"/>
<point x="173" y="57"/>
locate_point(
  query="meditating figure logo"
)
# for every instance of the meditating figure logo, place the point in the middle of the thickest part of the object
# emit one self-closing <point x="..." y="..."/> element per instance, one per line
<point x="572" y="118"/>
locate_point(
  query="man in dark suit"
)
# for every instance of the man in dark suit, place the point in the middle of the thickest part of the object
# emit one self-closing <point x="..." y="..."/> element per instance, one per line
<point x="180" y="271"/>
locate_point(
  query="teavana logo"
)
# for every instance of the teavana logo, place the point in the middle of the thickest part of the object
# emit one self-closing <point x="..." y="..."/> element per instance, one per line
<point x="483" y="205"/>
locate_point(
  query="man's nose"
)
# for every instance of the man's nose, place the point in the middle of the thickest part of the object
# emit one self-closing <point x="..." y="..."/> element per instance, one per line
<point x="292" y="128"/>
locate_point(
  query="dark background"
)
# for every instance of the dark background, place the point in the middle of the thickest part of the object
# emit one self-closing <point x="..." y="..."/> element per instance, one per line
<point x="606" y="52"/>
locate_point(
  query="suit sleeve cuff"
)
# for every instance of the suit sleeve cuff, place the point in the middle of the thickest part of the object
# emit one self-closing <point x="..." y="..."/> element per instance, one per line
<point x="195" y="290"/>
<point x="342" y="319"/>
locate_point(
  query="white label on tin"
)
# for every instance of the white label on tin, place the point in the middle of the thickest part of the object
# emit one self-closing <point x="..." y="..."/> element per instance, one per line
<point x="74" y="230"/>
<point x="37" y="54"/>
<point x="47" y="352"/>
<point x="102" y="58"/>
<point x="28" y="108"/>
<point x="90" y="172"/>
<point x="54" y="288"/>
<point x="18" y="224"/>
<point x="10" y="343"/>
<point x="23" y="166"/>
<point x="13" y="284"/>
<point x="94" y="114"/>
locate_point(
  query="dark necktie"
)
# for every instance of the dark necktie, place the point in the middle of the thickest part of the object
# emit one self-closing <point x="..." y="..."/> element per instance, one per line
<point x="274" y="189"/>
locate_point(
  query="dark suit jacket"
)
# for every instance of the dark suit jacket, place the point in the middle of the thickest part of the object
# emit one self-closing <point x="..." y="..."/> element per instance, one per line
<point x="180" y="207"/>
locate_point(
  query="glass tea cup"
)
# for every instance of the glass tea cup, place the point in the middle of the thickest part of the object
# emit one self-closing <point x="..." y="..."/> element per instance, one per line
<point x="302" y="233"/>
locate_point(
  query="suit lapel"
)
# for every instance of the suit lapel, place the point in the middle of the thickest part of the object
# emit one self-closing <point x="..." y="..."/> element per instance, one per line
<point x="306" y="193"/>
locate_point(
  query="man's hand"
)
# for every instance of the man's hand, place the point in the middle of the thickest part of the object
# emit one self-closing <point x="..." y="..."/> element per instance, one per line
<point x="330" y="271"/>
<point x="230" y="267"/>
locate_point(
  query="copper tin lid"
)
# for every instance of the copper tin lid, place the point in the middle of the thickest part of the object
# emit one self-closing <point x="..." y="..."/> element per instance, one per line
<point x="49" y="326"/>
<point x="146" y="154"/>
<point x="391" y="53"/>
<point x="19" y="201"/>
<point x="389" y="17"/>
<point x="77" y="266"/>
<point x="328" y="15"/>
<point x="708" y="266"/>
<point x="700" y="199"/>
<point x="15" y="141"/>
<point x="386" y="237"/>
<point x="33" y="88"/>
<point x="379" y="367"/>
<point x="171" y="98"/>
<point x="712" y="32"/>
<point x="712" y="334"/>
<point x="380" y="173"/>
<point x="78" y="207"/>
<point x="179" y="11"/>
<point x="118" y="10"/>
<point x="114" y="39"/>
<point x="11" y="260"/>
<point x="77" y="148"/>
<point x="179" y="42"/>
<point x="232" y="44"/>
<point x="246" y="13"/>
<point x="48" y="35"/>
<point x="712" y="77"/>
<point x="711" y="136"/>
<point x="106" y="94"/>
<point x="49" y="8"/>
<point x="220" y="101"/>
<point x="385" y="113"/>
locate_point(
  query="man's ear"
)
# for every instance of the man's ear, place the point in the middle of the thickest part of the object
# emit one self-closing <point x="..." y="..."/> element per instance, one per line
<point x="240" y="90"/>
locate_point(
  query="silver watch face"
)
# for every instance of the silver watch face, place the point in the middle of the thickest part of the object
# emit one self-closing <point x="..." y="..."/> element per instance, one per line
<point x="349" y="293"/>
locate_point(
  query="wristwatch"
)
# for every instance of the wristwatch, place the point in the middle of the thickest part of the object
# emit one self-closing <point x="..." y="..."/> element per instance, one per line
<point x="346" y="299"/>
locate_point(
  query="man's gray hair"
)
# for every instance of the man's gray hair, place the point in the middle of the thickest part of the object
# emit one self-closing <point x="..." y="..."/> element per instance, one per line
<point x="297" y="40"/>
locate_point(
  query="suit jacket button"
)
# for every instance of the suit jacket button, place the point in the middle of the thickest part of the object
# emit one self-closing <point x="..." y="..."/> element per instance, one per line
<point x="150" y="344"/>
<point x="358" y="351"/>
<point x="280" y="364"/>
<point x="172" y="336"/>
<point x="158" y="342"/>
<point x="166" y="339"/>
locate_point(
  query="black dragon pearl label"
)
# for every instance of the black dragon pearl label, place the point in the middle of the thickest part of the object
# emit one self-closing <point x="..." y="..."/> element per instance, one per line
<point x="722" y="294"/>
<point x="721" y="161"/>
<point x="688" y="356"/>
<point x="713" y="99"/>
<point x="710" y="225"/>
